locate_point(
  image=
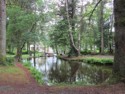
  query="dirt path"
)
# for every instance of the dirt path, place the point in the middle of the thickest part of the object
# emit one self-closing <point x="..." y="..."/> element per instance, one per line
<point x="33" y="88"/>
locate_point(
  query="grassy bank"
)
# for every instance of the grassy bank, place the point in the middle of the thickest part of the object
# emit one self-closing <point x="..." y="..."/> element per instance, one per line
<point x="38" y="54"/>
<point x="92" y="59"/>
<point x="35" y="73"/>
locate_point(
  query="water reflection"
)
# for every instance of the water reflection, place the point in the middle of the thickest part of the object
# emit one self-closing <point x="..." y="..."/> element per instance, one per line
<point x="57" y="70"/>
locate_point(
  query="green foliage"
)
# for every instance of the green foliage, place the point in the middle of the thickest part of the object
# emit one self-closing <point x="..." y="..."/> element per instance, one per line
<point x="98" y="60"/>
<point x="24" y="52"/>
<point x="2" y="60"/>
<point x="86" y="52"/>
<point x="10" y="53"/>
<point x="9" y="60"/>
<point x="6" y="61"/>
<point x="35" y="73"/>
<point x="60" y="34"/>
<point x="27" y="64"/>
<point x="19" y="26"/>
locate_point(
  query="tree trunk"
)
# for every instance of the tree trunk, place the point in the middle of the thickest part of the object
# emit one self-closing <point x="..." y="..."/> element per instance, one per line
<point x="56" y="47"/>
<point x="18" y="54"/>
<point x="101" y="26"/>
<point x="2" y="30"/>
<point x="81" y="28"/>
<point x="34" y="54"/>
<point x="71" y="26"/>
<point x="119" y="59"/>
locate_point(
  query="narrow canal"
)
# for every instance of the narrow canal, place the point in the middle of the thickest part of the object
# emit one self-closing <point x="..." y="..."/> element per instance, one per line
<point x="56" y="71"/>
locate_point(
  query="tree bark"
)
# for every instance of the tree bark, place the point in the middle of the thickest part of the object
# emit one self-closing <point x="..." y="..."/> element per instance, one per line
<point x="101" y="26"/>
<point x="119" y="59"/>
<point x="2" y="31"/>
<point x="81" y="28"/>
<point x="2" y="27"/>
<point x="70" y="16"/>
<point x="34" y="54"/>
<point x="18" y="54"/>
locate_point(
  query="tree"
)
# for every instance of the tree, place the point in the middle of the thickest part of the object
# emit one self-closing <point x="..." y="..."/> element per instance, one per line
<point x="2" y="30"/>
<point x="20" y="25"/>
<point x="101" y="22"/>
<point x="59" y="36"/>
<point x="119" y="59"/>
<point x="70" y="11"/>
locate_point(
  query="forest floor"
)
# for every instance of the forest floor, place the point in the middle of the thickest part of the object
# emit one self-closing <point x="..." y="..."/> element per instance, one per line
<point x="18" y="80"/>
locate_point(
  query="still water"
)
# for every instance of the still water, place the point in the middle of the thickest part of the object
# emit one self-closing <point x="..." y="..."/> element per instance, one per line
<point x="57" y="71"/>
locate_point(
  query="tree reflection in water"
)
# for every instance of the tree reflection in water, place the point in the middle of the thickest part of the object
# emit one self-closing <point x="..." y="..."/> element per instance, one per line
<point x="56" y="70"/>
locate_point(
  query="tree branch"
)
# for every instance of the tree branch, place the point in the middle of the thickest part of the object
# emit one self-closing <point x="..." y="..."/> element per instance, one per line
<point x="94" y="9"/>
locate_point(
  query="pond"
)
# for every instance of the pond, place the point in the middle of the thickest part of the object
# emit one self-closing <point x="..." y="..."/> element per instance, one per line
<point x="59" y="71"/>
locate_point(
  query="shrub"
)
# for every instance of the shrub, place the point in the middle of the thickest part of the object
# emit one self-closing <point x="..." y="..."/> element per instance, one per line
<point x="10" y="53"/>
<point x="10" y="61"/>
<point x="6" y="60"/>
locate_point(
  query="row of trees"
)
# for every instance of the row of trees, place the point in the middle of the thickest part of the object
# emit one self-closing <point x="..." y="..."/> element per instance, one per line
<point x="23" y="19"/>
<point x="78" y="31"/>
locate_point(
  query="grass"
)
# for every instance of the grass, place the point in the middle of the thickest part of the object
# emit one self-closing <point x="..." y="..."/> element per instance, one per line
<point x="24" y="56"/>
<point x="12" y="74"/>
<point x="35" y="73"/>
<point x="93" y="59"/>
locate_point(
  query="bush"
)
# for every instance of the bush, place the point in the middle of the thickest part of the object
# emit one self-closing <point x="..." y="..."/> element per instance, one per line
<point x="10" y="61"/>
<point x="27" y="64"/>
<point x="10" y="53"/>
<point x="36" y="74"/>
<point x="6" y="60"/>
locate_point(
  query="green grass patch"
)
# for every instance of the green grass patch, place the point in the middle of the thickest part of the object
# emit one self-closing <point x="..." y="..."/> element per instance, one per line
<point x="10" y="56"/>
<point x="12" y="74"/>
<point x="94" y="60"/>
<point x="35" y="73"/>
<point x="9" y="69"/>
<point x="24" y="56"/>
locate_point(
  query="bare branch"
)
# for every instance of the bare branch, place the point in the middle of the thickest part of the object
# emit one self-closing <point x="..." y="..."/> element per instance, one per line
<point x="94" y="9"/>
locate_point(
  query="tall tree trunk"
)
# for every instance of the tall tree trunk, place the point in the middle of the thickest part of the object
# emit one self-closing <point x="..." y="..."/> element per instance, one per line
<point x="18" y="54"/>
<point x="70" y="17"/>
<point x="56" y="48"/>
<point x="20" y="46"/>
<point x="101" y="26"/>
<point x="81" y="28"/>
<point x="34" y="54"/>
<point x="2" y="30"/>
<point x="119" y="60"/>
